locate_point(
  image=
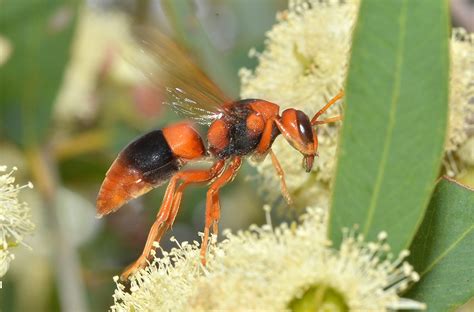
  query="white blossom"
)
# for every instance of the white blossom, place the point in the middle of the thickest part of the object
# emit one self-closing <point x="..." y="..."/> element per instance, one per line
<point x="305" y="63"/>
<point x="272" y="269"/>
<point x="15" y="220"/>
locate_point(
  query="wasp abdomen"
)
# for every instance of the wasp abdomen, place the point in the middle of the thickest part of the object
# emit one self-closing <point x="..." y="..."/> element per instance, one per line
<point x="144" y="164"/>
<point x="152" y="156"/>
<point x="148" y="162"/>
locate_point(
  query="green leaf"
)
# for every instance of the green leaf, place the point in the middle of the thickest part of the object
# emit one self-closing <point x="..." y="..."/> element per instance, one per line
<point x="40" y="34"/>
<point x="394" y="124"/>
<point x="443" y="249"/>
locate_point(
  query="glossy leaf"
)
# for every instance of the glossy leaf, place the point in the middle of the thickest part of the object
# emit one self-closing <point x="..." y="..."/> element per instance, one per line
<point x="32" y="76"/>
<point x="443" y="249"/>
<point x="394" y="125"/>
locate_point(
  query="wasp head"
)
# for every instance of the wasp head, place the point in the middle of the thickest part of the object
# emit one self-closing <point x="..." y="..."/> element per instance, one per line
<point x="297" y="130"/>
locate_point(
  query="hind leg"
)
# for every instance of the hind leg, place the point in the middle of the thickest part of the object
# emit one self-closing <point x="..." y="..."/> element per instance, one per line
<point x="156" y="231"/>
<point x="190" y="178"/>
<point x="169" y="209"/>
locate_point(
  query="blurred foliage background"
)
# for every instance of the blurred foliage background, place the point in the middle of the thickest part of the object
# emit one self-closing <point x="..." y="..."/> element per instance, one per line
<point x="70" y="101"/>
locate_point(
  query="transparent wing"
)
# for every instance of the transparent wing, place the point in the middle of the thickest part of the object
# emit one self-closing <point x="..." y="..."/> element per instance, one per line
<point x="190" y="92"/>
<point x="187" y="107"/>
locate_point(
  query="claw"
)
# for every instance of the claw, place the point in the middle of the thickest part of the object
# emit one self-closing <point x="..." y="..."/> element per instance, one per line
<point x="140" y="263"/>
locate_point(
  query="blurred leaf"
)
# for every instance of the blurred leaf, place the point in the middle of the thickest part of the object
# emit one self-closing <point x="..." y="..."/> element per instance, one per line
<point x="443" y="249"/>
<point x="182" y="15"/>
<point x="395" y="119"/>
<point x="84" y="170"/>
<point x="221" y="33"/>
<point x="40" y="33"/>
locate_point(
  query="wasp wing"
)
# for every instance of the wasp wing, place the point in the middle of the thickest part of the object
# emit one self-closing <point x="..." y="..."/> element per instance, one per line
<point x="185" y="106"/>
<point x="190" y="92"/>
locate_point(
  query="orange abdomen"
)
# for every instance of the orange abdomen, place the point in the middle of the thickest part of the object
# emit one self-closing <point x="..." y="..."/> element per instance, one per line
<point x="121" y="184"/>
<point x="144" y="164"/>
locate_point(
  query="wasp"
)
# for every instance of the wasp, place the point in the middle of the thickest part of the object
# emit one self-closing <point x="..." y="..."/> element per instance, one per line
<point x="236" y="130"/>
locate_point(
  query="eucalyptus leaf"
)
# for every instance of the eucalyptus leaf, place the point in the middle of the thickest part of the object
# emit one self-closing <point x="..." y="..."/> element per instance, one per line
<point x="395" y="115"/>
<point x="40" y="33"/>
<point x="443" y="249"/>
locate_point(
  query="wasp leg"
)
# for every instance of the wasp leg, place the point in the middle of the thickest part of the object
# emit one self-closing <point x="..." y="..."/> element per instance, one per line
<point x="212" y="202"/>
<point x="281" y="174"/>
<point x="169" y="210"/>
<point x="325" y="108"/>
<point x="266" y="138"/>
<point x="190" y="177"/>
<point x="216" y="213"/>
<point x="156" y="232"/>
<point x="328" y="120"/>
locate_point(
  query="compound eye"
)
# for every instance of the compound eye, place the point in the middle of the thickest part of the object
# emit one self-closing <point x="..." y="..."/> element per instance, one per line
<point x="304" y="127"/>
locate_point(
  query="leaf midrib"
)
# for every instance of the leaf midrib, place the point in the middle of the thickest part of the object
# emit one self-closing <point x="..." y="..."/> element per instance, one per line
<point x="391" y="124"/>
<point x="447" y="251"/>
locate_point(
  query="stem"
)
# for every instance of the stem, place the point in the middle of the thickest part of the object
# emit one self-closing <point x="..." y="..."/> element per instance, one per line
<point x="85" y="142"/>
<point x="71" y="290"/>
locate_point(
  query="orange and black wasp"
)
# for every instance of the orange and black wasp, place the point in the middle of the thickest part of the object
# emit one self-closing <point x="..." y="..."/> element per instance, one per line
<point x="236" y="129"/>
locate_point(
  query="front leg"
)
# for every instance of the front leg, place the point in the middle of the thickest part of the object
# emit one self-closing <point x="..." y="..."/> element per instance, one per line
<point x="264" y="147"/>
<point x="314" y="120"/>
<point x="267" y="138"/>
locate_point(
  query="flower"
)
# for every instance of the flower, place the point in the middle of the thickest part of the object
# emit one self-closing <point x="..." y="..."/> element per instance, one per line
<point x="110" y="36"/>
<point x="461" y="105"/>
<point x="5" y="258"/>
<point x="5" y="50"/>
<point x="461" y="88"/>
<point x="15" y="220"/>
<point x="274" y="269"/>
<point x="304" y="64"/>
<point x="164" y="285"/>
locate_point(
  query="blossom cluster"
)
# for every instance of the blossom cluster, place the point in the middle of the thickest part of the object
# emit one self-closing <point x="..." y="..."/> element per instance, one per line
<point x="272" y="269"/>
<point x="15" y="220"/>
<point x="304" y="64"/>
